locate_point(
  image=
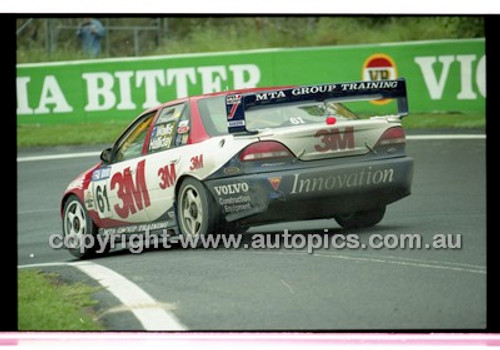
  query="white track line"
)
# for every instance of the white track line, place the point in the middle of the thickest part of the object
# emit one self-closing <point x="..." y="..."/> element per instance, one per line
<point x="481" y="270"/>
<point x="408" y="137"/>
<point x="152" y="316"/>
<point x="58" y="156"/>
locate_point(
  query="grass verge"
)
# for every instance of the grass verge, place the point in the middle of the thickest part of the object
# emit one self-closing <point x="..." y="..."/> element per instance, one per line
<point x="445" y="121"/>
<point x="45" y="303"/>
<point x="30" y="135"/>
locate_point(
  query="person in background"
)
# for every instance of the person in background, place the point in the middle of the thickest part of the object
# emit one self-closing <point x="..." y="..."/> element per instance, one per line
<point x="90" y="33"/>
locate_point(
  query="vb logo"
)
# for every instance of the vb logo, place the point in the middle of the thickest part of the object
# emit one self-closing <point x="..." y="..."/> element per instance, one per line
<point x="379" y="67"/>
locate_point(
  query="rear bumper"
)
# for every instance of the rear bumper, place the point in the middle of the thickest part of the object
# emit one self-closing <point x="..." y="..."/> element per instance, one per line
<point x="312" y="193"/>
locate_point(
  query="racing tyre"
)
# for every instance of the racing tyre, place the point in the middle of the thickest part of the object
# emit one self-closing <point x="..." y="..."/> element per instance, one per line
<point x="79" y="230"/>
<point x="195" y="211"/>
<point x="360" y="219"/>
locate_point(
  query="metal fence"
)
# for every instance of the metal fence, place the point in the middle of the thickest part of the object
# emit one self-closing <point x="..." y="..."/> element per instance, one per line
<point x="129" y="39"/>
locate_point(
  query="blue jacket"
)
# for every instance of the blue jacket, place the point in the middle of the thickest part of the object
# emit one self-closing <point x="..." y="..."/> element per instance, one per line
<point x="90" y="34"/>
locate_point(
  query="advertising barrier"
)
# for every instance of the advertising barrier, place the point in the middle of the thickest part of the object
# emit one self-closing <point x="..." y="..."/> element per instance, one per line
<point x="441" y="76"/>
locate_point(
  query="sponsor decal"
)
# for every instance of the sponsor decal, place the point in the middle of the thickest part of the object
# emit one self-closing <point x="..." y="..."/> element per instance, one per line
<point x="435" y="71"/>
<point x="235" y="123"/>
<point x="134" y="228"/>
<point x="89" y="200"/>
<point x="230" y="170"/>
<point x="269" y="95"/>
<point x="178" y="140"/>
<point x="327" y="88"/>
<point x="160" y="143"/>
<point x="163" y="129"/>
<point x="167" y="175"/>
<point x="379" y="67"/>
<point x="183" y="127"/>
<point x="275" y="182"/>
<point x="133" y="194"/>
<point x="335" y="140"/>
<point x="235" y="188"/>
<point x="364" y="177"/>
<point x="272" y="165"/>
<point x="236" y="204"/>
<point x="233" y="198"/>
<point x="369" y="85"/>
<point x="104" y="90"/>
<point x="305" y="90"/>
<point x="235" y="101"/>
<point x="101" y="173"/>
<point x="196" y="162"/>
<point x="308" y="90"/>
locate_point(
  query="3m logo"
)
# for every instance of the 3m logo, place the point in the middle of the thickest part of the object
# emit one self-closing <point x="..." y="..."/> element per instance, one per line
<point x="196" y="162"/>
<point x="335" y="140"/>
<point x="379" y="67"/>
<point x="133" y="193"/>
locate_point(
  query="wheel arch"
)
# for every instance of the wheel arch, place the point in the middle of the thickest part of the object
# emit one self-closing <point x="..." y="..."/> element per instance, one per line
<point x="178" y="185"/>
<point x="181" y="179"/>
<point x="65" y="199"/>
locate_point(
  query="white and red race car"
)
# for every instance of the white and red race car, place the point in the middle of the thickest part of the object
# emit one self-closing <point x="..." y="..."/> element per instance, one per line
<point x="226" y="161"/>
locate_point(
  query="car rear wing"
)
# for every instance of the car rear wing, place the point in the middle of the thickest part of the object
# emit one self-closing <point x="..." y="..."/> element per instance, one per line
<point x="238" y="104"/>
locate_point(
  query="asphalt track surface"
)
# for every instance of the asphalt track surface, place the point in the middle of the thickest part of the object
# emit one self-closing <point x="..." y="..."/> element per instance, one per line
<point x="291" y="289"/>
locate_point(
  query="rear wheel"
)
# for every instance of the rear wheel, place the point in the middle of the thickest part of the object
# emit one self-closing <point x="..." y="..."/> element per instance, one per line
<point x="195" y="211"/>
<point x="360" y="219"/>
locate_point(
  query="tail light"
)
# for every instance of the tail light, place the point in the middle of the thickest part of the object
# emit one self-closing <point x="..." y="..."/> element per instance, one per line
<point x="392" y="136"/>
<point x="265" y="150"/>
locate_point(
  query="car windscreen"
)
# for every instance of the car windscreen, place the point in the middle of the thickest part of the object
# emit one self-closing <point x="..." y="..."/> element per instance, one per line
<point x="213" y="114"/>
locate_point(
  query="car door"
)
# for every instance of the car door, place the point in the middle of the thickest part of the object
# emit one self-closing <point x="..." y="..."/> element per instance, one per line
<point x="164" y="155"/>
<point x="120" y="188"/>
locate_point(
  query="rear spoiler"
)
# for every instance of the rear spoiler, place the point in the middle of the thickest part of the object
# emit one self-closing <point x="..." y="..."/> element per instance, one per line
<point x="237" y="104"/>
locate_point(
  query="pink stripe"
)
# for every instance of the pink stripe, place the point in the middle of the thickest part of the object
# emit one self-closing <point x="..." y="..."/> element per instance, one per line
<point x="275" y="338"/>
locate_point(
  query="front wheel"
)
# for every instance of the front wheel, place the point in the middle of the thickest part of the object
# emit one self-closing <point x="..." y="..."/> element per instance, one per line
<point x="360" y="219"/>
<point x="79" y="229"/>
<point x="195" y="211"/>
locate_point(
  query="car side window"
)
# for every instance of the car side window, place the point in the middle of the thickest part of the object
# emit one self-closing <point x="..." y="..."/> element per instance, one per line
<point x="132" y="142"/>
<point x="171" y="126"/>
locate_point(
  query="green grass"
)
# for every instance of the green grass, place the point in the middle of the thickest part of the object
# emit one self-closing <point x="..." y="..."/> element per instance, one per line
<point x="445" y="121"/>
<point x="45" y="303"/>
<point x="30" y="135"/>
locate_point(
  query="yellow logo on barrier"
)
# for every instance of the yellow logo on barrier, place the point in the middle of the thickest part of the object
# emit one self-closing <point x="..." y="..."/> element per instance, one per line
<point x="379" y="66"/>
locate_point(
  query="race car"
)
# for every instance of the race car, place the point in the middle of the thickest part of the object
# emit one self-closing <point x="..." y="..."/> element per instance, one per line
<point x="226" y="161"/>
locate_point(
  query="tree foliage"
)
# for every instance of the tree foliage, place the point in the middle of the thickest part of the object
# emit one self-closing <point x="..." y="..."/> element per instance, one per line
<point x="50" y="39"/>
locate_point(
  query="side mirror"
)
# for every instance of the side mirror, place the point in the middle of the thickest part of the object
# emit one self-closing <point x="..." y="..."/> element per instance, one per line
<point x="106" y="155"/>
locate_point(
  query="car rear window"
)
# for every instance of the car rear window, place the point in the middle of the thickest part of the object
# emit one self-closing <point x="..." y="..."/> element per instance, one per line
<point x="213" y="113"/>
